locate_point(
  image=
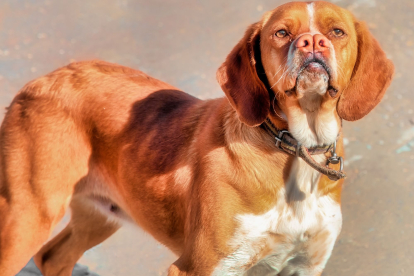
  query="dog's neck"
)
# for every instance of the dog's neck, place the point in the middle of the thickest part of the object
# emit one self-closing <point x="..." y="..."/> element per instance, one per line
<point x="257" y="149"/>
<point x="311" y="122"/>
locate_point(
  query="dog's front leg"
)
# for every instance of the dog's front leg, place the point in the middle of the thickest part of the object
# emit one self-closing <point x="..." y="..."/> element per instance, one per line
<point x="174" y="270"/>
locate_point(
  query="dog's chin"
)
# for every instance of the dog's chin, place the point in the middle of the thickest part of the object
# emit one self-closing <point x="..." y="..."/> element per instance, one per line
<point x="314" y="78"/>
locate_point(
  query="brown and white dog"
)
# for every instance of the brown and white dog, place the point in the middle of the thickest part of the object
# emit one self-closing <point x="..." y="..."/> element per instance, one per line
<point x="203" y="177"/>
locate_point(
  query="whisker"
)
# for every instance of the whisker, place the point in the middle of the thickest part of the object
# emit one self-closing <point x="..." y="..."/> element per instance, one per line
<point x="283" y="75"/>
<point x="280" y="68"/>
<point x="286" y="69"/>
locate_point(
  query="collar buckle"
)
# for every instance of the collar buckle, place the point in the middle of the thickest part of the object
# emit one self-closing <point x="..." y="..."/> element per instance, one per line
<point x="335" y="159"/>
<point x="279" y="139"/>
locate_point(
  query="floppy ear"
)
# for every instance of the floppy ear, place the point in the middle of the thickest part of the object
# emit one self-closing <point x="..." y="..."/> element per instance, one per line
<point x="371" y="77"/>
<point x="239" y="79"/>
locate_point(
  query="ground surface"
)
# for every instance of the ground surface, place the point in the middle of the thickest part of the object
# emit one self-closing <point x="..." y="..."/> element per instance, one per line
<point x="183" y="43"/>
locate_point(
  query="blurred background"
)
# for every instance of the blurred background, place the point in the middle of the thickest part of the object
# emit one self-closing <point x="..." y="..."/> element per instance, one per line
<point x="183" y="43"/>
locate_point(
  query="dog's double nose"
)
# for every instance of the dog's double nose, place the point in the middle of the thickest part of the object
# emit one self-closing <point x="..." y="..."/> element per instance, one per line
<point x="313" y="44"/>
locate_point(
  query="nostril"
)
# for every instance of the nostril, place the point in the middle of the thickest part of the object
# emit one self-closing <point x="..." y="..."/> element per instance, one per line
<point x="305" y="42"/>
<point x="321" y="43"/>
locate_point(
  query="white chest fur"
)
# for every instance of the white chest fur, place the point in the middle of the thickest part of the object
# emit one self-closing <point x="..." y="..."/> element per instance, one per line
<point x="295" y="236"/>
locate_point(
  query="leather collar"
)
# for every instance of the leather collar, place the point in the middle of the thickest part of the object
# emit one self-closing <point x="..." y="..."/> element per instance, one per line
<point x="286" y="142"/>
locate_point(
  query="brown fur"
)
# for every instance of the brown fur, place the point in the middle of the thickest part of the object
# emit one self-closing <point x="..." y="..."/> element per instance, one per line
<point x="98" y="133"/>
<point x="372" y="64"/>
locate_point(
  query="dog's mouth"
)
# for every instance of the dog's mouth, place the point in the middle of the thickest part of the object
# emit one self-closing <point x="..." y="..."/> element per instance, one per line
<point x="314" y="70"/>
<point x="315" y="66"/>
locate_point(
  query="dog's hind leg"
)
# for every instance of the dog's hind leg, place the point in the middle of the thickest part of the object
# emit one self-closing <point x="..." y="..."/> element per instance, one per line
<point x="87" y="228"/>
<point x="42" y="157"/>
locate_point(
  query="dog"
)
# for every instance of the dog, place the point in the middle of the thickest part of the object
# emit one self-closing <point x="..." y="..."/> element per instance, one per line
<point x="248" y="184"/>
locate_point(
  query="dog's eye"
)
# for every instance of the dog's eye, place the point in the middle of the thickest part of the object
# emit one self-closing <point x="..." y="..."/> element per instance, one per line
<point x="281" y="33"/>
<point x="338" y="32"/>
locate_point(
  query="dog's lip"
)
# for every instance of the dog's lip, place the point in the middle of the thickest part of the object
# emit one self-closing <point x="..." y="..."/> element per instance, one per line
<point x="315" y="65"/>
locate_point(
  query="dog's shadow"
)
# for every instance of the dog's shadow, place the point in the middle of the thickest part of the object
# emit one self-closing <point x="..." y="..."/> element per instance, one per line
<point x="31" y="270"/>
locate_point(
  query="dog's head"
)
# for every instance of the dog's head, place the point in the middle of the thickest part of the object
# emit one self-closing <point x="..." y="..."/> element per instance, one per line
<point x="312" y="64"/>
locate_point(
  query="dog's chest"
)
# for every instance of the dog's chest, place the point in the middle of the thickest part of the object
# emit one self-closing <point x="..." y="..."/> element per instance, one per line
<point x="294" y="236"/>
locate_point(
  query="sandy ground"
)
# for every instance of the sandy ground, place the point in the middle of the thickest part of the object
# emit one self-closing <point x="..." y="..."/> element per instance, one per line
<point x="183" y="43"/>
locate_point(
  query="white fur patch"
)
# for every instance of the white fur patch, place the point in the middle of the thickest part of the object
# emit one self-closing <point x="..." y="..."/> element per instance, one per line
<point x="326" y="128"/>
<point x="290" y="229"/>
<point x="312" y="128"/>
<point x="311" y="12"/>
